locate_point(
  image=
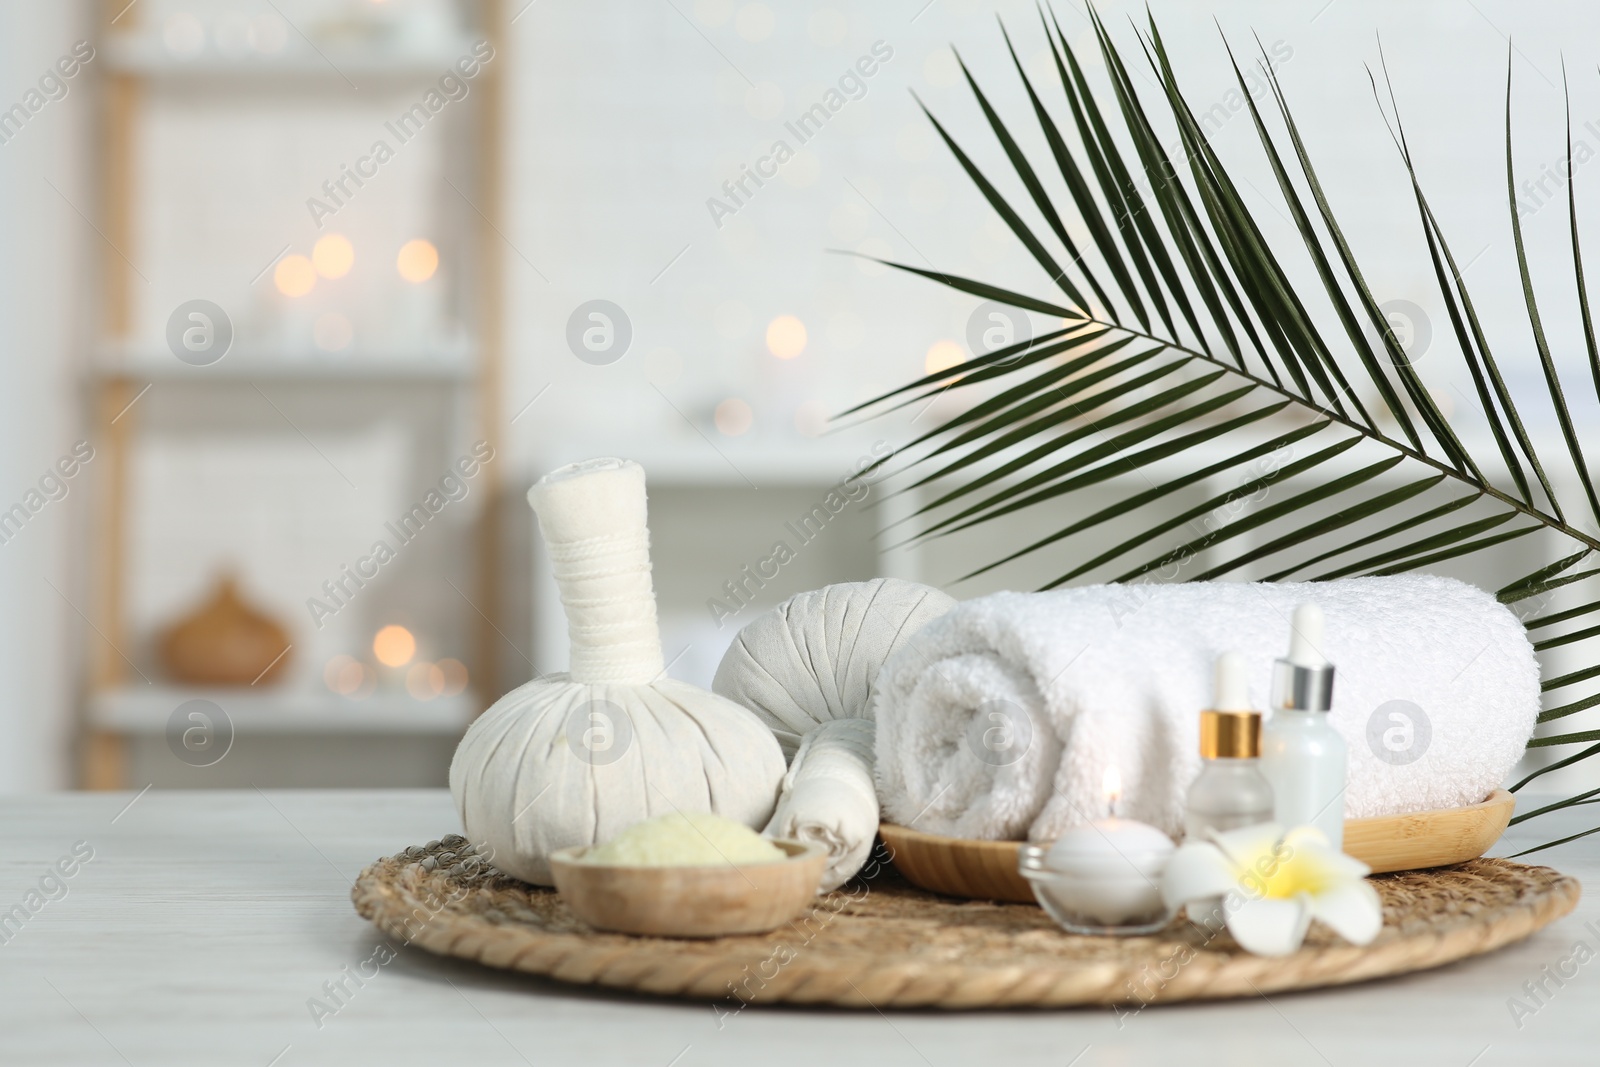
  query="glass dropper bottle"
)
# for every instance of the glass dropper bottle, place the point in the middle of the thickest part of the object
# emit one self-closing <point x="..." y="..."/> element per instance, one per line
<point x="1230" y="790"/>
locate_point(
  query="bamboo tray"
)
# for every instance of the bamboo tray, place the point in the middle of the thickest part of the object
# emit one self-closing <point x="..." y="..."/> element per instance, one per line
<point x="987" y="870"/>
<point x="883" y="944"/>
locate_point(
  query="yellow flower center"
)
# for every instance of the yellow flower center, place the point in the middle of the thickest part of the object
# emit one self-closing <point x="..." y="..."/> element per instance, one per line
<point x="1291" y="874"/>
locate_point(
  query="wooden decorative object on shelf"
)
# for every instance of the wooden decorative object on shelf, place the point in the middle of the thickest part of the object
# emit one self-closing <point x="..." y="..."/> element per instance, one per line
<point x="225" y="641"/>
<point x="987" y="870"/>
<point x="885" y="944"/>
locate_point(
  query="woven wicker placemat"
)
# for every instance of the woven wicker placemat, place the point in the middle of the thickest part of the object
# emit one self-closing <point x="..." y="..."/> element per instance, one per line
<point x="885" y="943"/>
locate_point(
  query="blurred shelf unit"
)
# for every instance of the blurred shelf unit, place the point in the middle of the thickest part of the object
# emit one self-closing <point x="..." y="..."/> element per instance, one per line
<point x="146" y="55"/>
<point x="142" y="709"/>
<point x="457" y="365"/>
<point x="280" y="740"/>
<point x="147" y="67"/>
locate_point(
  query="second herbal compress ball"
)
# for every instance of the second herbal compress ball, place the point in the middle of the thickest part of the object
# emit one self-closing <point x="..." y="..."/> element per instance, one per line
<point x="807" y="668"/>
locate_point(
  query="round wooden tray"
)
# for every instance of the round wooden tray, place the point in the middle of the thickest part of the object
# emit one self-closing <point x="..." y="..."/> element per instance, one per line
<point x="884" y="943"/>
<point x="987" y="870"/>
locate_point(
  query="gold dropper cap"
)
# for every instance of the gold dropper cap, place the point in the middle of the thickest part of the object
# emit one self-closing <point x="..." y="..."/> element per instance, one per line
<point x="1231" y="729"/>
<point x="1230" y="735"/>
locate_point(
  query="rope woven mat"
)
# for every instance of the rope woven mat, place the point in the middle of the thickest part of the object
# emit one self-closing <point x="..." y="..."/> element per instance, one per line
<point x="885" y="943"/>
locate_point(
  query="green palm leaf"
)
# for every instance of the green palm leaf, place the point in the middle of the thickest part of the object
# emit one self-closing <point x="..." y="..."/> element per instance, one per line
<point x="1197" y="292"/>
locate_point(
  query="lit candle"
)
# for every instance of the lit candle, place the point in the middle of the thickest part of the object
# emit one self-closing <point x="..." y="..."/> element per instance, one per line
<point x="1104" y="877"/>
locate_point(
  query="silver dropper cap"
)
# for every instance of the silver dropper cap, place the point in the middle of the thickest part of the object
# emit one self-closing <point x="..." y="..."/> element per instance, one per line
<point x="1303" y="680"/>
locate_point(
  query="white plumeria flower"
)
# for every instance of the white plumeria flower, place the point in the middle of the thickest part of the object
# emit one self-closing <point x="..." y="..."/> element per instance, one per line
<point x="1273" y="884"/>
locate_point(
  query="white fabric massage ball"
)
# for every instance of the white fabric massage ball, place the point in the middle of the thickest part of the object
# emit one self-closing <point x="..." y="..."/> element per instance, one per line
<point x="814" y="658"/>
<point x="807" y="668"/>
<point x="576" y="758"/>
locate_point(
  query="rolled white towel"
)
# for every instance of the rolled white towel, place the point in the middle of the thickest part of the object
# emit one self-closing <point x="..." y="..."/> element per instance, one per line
<point x="999" y="720"/>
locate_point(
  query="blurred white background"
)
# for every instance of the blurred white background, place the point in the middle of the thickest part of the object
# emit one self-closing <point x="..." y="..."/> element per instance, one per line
<point x="595" y="170"/>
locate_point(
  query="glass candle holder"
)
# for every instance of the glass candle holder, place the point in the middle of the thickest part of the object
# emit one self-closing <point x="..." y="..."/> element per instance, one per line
<point x="1104" y="889"/>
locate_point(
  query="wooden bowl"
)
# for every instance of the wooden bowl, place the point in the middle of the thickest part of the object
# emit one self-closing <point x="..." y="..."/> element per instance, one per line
<point x="705" y="901"/>
<point x="987" y="870"/>
<point x="1429" y="838"/>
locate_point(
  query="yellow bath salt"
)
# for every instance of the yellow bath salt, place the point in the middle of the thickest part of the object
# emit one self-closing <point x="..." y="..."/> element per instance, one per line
<point x="678" y="840"/>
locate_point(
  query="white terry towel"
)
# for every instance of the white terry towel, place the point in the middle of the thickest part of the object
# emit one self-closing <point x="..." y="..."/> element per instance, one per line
<point x="999" y="720"/>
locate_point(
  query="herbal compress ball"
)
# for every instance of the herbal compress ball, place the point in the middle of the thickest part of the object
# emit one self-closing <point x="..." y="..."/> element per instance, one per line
<point x="575" y="758"/>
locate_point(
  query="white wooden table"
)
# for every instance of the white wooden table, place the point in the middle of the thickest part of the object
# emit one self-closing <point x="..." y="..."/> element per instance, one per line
<point x="205" y="922"/>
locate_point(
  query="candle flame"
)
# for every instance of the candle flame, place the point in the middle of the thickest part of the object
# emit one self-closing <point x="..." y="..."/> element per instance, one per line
<point x="1112" y="784"/>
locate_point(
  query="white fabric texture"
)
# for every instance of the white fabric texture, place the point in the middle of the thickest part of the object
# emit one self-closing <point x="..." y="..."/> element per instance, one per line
<point x="1083" y="679"/>
<point x="807" y="668"/>
<point x="828" y="797"/>
<point x="574" y="759"/>
<point x="815" y="656"/>
<point x="592" y="515"/>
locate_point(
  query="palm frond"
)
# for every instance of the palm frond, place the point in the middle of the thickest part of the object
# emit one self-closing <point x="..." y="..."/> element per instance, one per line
<point x="1188" y="353"/>
<point x="1546" y="363"/>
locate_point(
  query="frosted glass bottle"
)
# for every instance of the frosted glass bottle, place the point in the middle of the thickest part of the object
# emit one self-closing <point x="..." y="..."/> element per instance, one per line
<point x="1228" y="794"/>
<point x="1230" y="790"/>
<point x="1305" y="760"/>
<point x="1302" y="755"/>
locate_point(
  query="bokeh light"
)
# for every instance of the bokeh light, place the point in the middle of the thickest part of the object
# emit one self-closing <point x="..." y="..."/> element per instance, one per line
<point x="734" y="417"/>
<point x="268" y="35"/>
<point x="332" y="332"/>
<point x="455" y="675"/>
<point x="425" y="680"/>
<point x="348" y="676"/>
<point x="184" y="34"/>
<point x="786" y="337"/>
<point x="333" y="255"/>
<point x="417" y="261"/>
<point x="394" y="646"/>
<point x="294" y="275"/>
<point x="754" y="22"/>
<point x="942" y="356"/>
